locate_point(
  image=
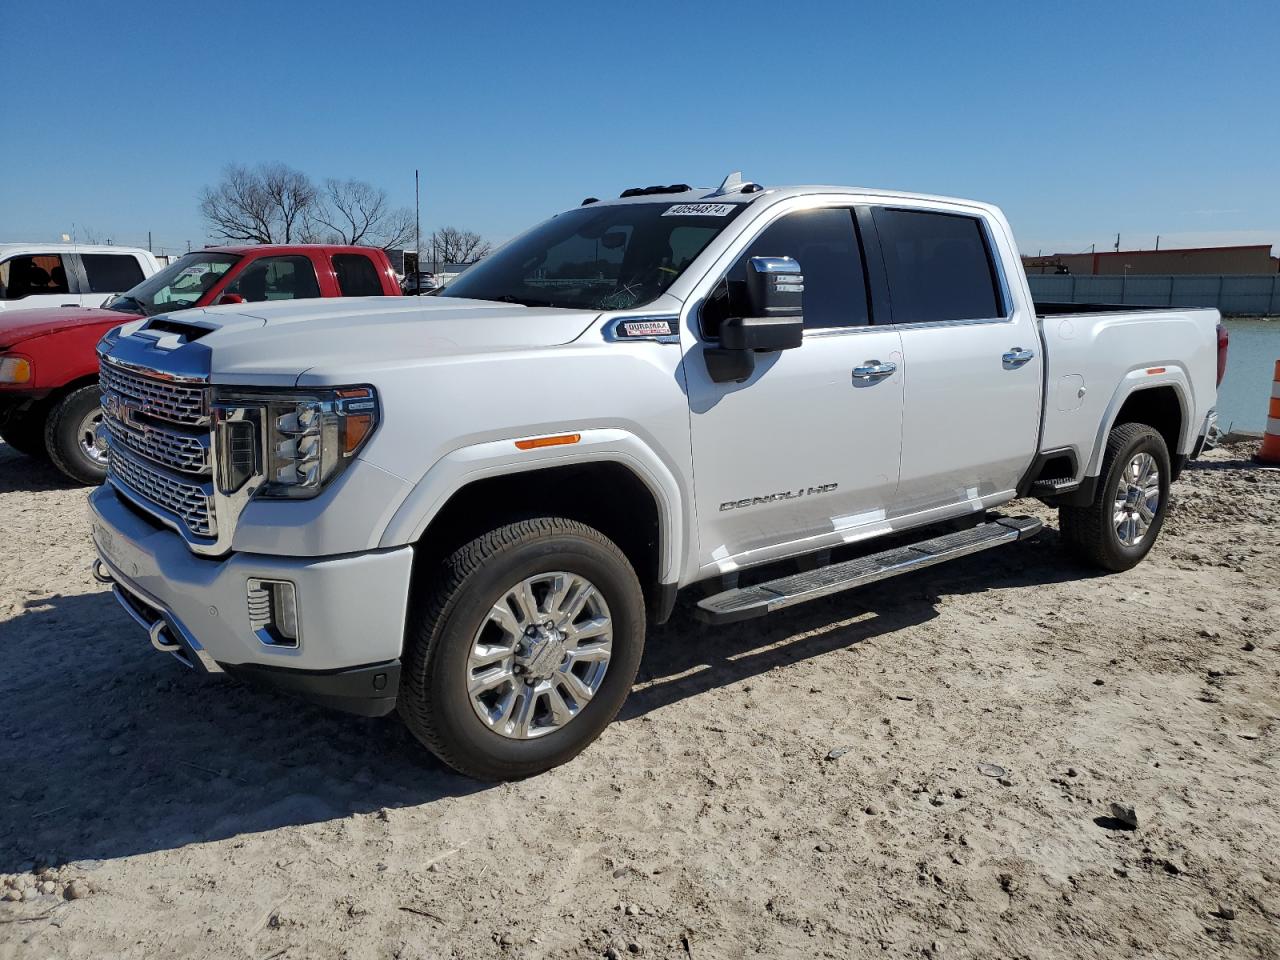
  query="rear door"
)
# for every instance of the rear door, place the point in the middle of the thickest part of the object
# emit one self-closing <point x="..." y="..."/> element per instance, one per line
<point x="804" y="453"/>
<point x="30" y="280"/>
<point x="107" y="274"/>
<point x="971" y="415"/>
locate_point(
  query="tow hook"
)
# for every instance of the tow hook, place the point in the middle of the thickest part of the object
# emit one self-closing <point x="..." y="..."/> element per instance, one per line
<point x="100" y="572"/>
<point x="155" y="632"/>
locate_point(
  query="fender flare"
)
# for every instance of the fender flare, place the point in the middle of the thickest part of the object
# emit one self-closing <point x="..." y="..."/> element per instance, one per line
<point x="495" y="458"/>
<point x="1135" y="381"/>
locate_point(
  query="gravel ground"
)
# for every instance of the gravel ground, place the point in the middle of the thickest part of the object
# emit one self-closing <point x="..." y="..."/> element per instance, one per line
<point x="808" y="785"/>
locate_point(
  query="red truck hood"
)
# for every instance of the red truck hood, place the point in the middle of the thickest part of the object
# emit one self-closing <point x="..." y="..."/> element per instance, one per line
<point x="19" y="325"/>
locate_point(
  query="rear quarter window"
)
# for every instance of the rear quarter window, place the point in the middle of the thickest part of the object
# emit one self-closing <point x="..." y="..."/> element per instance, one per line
<point x="939" y="266"/>
<point x="357" y="275"/>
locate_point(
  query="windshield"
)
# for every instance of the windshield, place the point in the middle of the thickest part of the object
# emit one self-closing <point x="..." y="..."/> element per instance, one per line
<point x="177" y="286"/>
<point x="597" y="258"/>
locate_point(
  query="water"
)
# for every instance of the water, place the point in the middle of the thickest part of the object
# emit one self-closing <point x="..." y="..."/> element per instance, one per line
<point x="1251" y="363"/>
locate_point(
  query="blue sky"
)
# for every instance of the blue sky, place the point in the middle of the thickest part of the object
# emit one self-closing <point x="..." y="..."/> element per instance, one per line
<point x="1079" y="120"/>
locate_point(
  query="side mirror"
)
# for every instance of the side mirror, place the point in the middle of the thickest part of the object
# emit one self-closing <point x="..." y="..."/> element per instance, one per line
<point x="227" y="298"/>
<point x="775" y="296"/>
<point x="775" y="287"/>
<point x="761" y="333"/>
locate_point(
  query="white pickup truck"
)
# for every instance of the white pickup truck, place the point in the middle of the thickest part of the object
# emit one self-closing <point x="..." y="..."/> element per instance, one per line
<point x="470" y="505"/>
<point x="41" y="275"/>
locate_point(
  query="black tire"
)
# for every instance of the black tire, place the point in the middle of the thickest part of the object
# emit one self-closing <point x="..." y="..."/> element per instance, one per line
<point x="25" y="433"/>
<point x="1090" y="532"/>
<point x="448" y="611"/>
<point x="62" y="440"/>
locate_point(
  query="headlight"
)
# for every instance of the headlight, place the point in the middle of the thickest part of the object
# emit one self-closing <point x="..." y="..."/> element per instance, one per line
<point x="297" y="440"/>
<point x="15" y="369"/>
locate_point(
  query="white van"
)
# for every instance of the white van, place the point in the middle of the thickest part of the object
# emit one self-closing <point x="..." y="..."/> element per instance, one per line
<point x="68" y="274"/>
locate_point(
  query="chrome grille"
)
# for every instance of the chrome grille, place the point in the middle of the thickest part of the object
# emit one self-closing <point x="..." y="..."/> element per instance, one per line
<point x="159" y="443"/>
<point x="178" y="451"/>
<point x="177" y="402"/>
<point x="188" y="501"/>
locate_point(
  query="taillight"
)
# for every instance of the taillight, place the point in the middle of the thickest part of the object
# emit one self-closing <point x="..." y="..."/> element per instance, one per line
<point x="1222" y="352"/>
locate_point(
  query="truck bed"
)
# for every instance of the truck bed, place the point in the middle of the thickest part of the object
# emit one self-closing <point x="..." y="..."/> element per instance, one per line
<point x="1052" y="308"/>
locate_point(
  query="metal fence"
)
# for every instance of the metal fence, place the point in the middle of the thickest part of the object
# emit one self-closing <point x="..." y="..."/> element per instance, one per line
<point x="1242" y="295"/>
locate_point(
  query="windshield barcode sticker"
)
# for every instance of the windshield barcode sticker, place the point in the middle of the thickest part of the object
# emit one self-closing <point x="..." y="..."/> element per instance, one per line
<point x="699" y="210"/>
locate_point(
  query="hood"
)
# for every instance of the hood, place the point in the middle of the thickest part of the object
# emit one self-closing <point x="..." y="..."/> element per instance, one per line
<point x="339" y="340"/>
<point x="19" y="325"/>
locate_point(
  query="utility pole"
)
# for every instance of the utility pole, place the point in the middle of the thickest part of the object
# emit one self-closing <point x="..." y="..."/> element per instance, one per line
<point x="149" y="250"/>
<point x="1157" y="241"/>
<point x="1117" y="243"/>
<point x="417" y="224"/>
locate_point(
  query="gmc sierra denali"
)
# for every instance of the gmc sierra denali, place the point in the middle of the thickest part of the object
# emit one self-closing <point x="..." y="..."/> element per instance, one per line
<point x="469" y="506"/>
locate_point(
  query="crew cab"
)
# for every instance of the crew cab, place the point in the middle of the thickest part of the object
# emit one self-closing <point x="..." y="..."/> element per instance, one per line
<point x="37" y="276"/>
<point x="469" y="506"/>
<point x="49" y="401"/>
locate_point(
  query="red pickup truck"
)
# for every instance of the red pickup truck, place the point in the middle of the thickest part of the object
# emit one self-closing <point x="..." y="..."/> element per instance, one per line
<point x="49" y="402"/>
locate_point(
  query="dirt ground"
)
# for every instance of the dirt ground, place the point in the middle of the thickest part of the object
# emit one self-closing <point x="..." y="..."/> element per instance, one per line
<point x="804" y="786"/>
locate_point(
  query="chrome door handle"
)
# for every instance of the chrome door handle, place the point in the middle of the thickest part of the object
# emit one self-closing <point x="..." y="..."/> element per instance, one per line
<point x="873" y="370"/>
<point x="1016" y="357"/>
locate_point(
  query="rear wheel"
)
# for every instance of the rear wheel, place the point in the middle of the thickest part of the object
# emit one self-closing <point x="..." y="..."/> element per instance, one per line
<point x="73" y="435"/>
<point x="1121" y="525"/>
<point x="523" y="648"/>
<point x="25" y="433"/>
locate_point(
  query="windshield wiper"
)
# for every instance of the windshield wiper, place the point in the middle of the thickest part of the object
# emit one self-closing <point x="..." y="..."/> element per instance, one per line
<point x="125" y="299"/>
<point x="523" y="301"/>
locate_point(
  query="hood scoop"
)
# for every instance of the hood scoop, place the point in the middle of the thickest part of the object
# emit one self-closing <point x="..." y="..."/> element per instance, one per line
<point x="169" y="334"/>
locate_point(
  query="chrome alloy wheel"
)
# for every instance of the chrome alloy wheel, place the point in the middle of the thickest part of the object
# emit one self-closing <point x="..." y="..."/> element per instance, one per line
<point x="1137" y="499"/>
<point x="92" y="437"/>
<point x="540" y="655"/>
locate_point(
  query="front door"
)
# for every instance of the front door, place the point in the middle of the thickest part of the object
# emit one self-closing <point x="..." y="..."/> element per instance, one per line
<point x="806" y="451"/>
<point x="28" y="281"/>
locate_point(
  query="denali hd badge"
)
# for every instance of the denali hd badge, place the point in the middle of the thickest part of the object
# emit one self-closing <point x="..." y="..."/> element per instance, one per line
<point x="776" y="497"/>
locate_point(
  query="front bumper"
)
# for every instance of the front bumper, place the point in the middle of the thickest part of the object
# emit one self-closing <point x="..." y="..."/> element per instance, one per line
<point x="351" y="609"/>
<point x="16" y="402"/>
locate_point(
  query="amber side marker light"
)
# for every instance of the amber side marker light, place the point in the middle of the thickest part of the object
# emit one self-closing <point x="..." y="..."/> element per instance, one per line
<point x="1154" y="370"/>
<point x="556" y="441"/>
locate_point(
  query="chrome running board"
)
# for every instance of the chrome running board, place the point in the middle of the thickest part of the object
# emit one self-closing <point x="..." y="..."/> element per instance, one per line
<point x="746" y="603"/>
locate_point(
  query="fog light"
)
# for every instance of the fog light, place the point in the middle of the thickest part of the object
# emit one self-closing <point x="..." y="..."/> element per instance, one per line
<point x="273" y="612"/>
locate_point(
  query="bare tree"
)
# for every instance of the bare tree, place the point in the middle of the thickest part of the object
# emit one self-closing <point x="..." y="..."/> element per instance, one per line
<point x="451" y="245"/>
<point x="268" y="203"/>
<point x="356" y="212"/>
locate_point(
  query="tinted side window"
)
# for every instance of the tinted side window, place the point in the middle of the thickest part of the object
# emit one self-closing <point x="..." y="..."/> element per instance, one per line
<point x="27" y="276"/>
<point x="357" y="276"/>
<point x="111" y="272"/>
<point x="938" y="266"/>
<point x="276" y="278"/>
<point x="826" y="245"/>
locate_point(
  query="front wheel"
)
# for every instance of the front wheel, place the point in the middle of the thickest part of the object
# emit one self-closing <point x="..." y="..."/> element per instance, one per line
<point x="1120" y="526"/>
<point x="73" y="436"/>
<point x="523" y="649"/>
